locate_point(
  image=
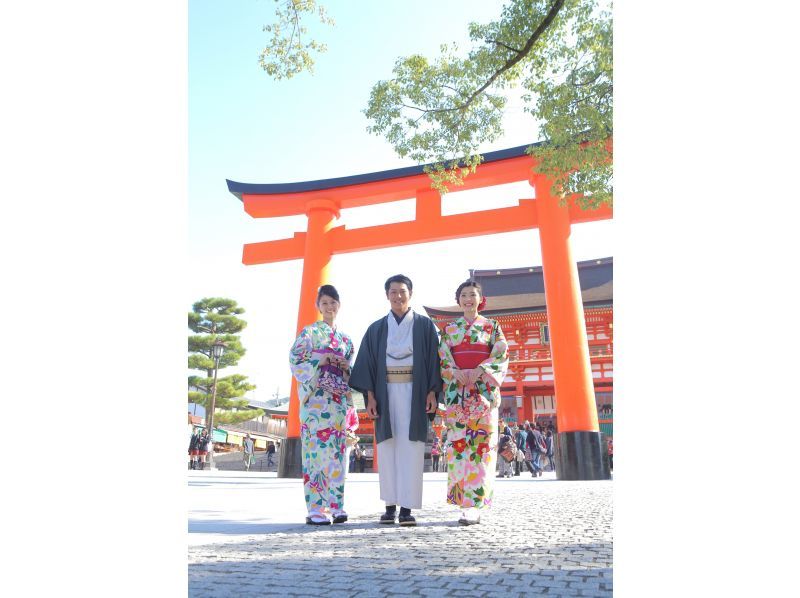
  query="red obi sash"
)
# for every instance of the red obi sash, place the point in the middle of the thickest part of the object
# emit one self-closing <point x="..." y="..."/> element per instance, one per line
<point x="468" y="356"/>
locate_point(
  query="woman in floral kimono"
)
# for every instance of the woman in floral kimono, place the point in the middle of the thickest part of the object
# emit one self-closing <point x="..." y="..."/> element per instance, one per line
<point x="320" y="361"/>
<point x="474" y="358"/>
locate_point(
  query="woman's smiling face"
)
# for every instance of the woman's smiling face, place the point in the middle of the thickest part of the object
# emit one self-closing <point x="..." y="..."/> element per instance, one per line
<point x="469" y="298"/>
<point x="328" y="307"/>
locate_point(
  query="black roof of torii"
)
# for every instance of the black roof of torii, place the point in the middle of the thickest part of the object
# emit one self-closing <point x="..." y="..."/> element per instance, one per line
<point x="299" y="187"/>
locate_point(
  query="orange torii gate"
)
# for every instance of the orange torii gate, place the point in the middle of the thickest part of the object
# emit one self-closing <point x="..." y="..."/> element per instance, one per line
<point x="578" y="441"/>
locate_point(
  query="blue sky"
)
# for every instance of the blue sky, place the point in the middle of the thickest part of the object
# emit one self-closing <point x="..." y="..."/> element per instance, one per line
<point x="246" y="127"/>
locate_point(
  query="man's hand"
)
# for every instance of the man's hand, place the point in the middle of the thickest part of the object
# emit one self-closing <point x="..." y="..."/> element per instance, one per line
<point x="372" y="405"/>
<point x="431" y="405"/>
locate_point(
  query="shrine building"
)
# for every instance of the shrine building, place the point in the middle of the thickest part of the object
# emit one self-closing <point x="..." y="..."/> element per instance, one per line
<point x="515" y="298"/>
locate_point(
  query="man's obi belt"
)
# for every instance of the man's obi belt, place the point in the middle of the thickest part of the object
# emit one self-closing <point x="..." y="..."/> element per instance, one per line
<point x="398" y="374"/>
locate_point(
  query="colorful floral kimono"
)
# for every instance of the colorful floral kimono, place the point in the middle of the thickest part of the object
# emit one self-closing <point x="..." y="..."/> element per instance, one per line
<point x="471" y="413"/>
<point x="322" y="419"/>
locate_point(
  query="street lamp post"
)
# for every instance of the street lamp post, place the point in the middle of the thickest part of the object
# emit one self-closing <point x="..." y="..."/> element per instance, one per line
<point x="217" y="349"/>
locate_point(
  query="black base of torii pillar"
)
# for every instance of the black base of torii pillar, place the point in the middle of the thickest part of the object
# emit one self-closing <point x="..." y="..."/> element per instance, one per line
<point x="290" y="462"/>
<point x="580" y="456"/>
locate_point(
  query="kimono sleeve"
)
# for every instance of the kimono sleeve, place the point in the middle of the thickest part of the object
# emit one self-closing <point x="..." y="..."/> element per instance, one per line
<point x="495" y="366"/>
<point x="302" y="360"/>
<point x="349" y="351"/>
<point x="446" y="359"/>
<point x="434" y="362"/>
<point x="362" y="375"/>
<point x="351" y="420"/>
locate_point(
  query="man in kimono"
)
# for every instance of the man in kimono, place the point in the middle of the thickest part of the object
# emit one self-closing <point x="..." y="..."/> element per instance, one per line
<point x="397" y="369"/>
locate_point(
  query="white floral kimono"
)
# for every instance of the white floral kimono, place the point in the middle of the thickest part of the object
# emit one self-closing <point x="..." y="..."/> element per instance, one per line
<point x="471" y="413"/>
<point x="322" y="419"/>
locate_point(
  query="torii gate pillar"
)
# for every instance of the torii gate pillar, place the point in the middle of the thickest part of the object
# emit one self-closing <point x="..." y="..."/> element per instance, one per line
<point x="316" y="261"/>
<point x="578" y="453"/>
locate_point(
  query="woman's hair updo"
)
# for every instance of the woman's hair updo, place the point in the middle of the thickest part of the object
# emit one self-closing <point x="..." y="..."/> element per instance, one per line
<point x="328" y="290"/>
<point x="471" y="283"/>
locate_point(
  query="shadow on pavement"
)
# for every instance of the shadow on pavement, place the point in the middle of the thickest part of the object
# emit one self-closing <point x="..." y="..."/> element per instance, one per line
<point x="239" y="527"/>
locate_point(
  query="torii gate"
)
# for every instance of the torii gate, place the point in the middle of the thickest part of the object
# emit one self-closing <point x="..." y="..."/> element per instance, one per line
<point x="578" y="441"/>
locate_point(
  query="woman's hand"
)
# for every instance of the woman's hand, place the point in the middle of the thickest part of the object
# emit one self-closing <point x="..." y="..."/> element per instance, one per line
<point x="333" y="359"/>
<point x="473" y="376"/>
<point x="460" y="377"/>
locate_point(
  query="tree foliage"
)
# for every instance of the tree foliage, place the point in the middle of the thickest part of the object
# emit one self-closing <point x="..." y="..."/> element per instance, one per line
<point x="216" y="319"/>
<point x="230" y="389"/>
<point x="290" y="51"/>
<point x="442" y="111"/>
<point x="558" y="51"/>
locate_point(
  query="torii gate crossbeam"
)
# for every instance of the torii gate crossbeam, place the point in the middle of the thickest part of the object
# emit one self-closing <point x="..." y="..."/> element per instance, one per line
<point x="578" y="442"/>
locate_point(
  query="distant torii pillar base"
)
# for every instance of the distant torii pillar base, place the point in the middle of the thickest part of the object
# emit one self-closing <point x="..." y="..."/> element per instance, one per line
<point x="579" y="456"/>
<point x="290" y="462"/>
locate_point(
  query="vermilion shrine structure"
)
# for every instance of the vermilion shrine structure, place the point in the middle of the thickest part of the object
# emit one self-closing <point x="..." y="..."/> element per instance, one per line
<point x="516" y="299"/>
<point x="578" y="441"/>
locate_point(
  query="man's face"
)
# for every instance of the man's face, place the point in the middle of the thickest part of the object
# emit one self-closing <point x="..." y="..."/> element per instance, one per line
<point x="398" y="296"/>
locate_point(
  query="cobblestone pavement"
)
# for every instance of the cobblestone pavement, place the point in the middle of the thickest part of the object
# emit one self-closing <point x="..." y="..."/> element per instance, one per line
<point x="541" y="536"/>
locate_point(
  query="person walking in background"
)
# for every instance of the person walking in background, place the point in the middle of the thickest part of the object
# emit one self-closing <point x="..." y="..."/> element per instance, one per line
<point x="397" y="369"/>
<point x="506" y="451"/>
<point x="611" y="455"/>
<point x="524" y="454"/>
<point x="474" y="359"/>
<point x="193" y="449"/>
<point x="320" y="361"/>
<point x="362" y="459"/>
<point x="520" y="438"/>
<point x="435" y="452"/>
<point x="249" y="448"/>
<point x="535" y="443"/>
<point x="202" y="449"/>
<point x="270" y="454"/>
<point x="548" y="439"/>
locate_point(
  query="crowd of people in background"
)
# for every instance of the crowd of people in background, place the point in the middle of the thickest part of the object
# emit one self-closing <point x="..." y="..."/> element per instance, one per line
<point x="528" y="447"/>
<point x="200" y="447"/>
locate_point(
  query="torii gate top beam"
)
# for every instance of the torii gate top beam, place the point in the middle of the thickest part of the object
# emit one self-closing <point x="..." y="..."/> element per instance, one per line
<point x="331" y="195"/>
<point x="290" y="199"/>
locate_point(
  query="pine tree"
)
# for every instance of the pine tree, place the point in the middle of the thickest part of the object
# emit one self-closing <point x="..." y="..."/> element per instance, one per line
<point x="214" y="319"/>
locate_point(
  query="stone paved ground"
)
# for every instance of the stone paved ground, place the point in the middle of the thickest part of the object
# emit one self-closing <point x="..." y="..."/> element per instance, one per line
<point x="542" y="536"/>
